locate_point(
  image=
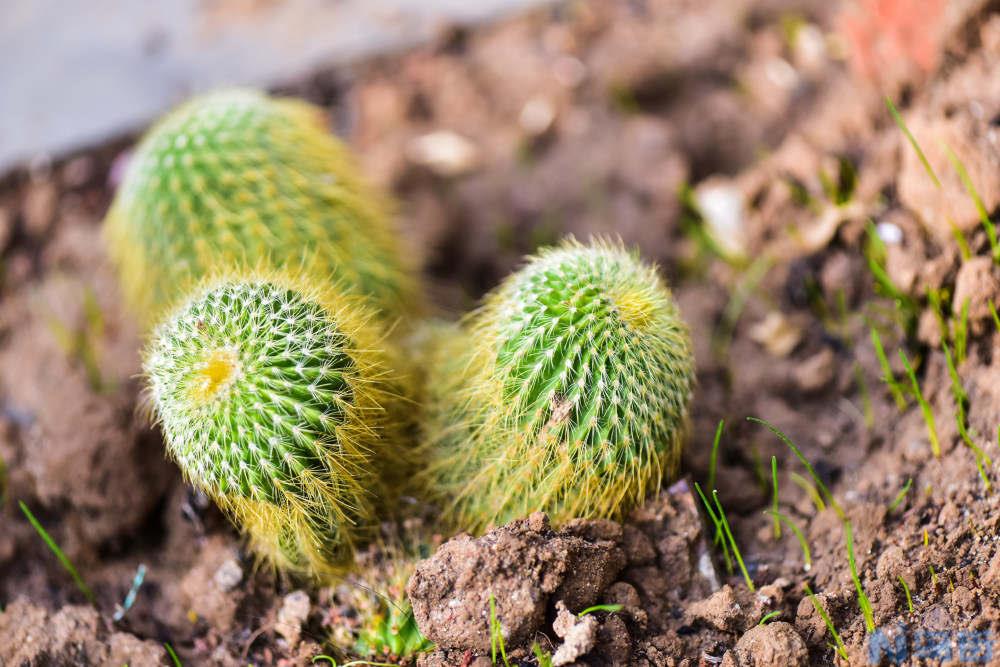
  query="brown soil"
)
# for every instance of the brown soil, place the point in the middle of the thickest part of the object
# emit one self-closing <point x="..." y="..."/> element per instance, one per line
<point x="585" y="118"/>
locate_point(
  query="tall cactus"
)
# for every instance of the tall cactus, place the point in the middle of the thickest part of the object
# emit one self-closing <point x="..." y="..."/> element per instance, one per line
<point x="275" y="397"/>
<point x="566" y="391"/>
<point x="237" y="178"/>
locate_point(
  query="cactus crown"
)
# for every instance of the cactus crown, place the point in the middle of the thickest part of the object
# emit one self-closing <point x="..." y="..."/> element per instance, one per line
<point x="271" y="397"/>
<point x="573" y="391"/>
<point x="236" y="178"/>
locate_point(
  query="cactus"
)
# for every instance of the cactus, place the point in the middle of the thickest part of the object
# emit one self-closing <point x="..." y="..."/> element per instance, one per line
<point x="236" y="178"/>
<point x="566" y="391"/>
<point x="275" y="399"/>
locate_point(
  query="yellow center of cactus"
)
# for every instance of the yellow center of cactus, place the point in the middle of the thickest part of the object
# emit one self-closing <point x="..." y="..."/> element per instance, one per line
<point x="635" y="308"/>
<point x="213" y="375"/>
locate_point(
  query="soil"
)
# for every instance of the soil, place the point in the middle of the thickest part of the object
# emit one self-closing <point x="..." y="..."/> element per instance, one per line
<point x="586" y="118"/>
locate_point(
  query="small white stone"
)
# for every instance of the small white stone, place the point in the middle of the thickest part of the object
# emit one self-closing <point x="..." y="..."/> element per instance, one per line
<point x="889" y="233"/>
<point x="443" y="152"/>
<point x="228" y="576"/>
<point x="293" y="613"/>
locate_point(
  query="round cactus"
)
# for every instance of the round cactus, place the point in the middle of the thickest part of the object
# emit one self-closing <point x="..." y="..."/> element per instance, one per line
<point x="566" y="392"/>
<point x="275" y="399"/>
<point x="236" y="178"/>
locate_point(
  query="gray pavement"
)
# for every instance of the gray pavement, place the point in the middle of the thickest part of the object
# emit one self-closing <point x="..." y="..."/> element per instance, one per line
<point x="74" y="73"/>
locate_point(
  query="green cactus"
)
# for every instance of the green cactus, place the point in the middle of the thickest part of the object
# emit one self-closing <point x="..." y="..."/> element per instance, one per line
<point x="236" y="178"/>
<point x="566" y="391"/>
<point x="276" y="399"/>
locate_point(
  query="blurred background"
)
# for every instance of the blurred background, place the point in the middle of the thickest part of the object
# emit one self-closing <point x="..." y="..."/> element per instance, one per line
<point x="76" y="73"/>
<point x="742" y="145"/>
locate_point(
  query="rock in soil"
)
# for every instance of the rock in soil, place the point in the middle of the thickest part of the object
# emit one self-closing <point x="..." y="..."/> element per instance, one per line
<point x="75" y="635"/>
<point x="524" y="566"/>
<point x="772" y="645"/>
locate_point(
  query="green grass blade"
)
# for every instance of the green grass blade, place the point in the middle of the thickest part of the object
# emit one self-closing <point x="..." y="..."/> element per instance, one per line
<point x="887" y="375"/>
<point x="906" y="589"/>
<point x="863" y="601"/>
<point x="866" y="400"/>
<point x="3" y="483"/>
<point x="714" y="457"/>
<point x="610" y="608"/>
<point x="806" y="555"/>
<point x="767" y="617"/>
<point x="925" y="407"/>
<point x="732" y="540"/>
<point x="63" y="559"/>
<point x="963" y="244"/>
<point x="810" y="490"/>
<point x="961" y="336"/>
<point x="774" y="496"/>
<point x="543" y="659"/>
<point x="812" y="471"/>
<point x="719" y="538"/>
<point x="913" y="141"/>
<point x="173" y="655"/>
<point x="496" y="635"/>
<point x="901" y="495"/>
<point x="984" y="216"/>
<point x="840" y="648"/>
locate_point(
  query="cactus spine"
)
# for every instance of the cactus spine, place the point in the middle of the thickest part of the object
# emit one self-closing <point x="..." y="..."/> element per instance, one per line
<point x="566" y="392"/>
<point x="275" y="398"/>
<point x="236" y="178"/>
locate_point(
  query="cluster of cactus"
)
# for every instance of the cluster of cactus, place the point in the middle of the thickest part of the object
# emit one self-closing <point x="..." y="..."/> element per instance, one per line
<point x="566" y="391"/>
<point x="237" y="178"/>
<point x="272" y="275"/>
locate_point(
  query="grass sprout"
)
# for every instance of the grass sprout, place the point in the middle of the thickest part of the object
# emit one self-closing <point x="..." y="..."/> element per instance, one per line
<point x="767" y="617"/>
<point x="839" y="647"/>
<point x="353" y="663"/>
<point x="863" y="601"/>
<point x="913" y="141"/>
<point x="496" y="635"/>
<point x="543" y="658"/>
<point x="610" y="608"/>
<point x="866" y="399"/>
<point x="961" y="416"/>
<point x="713" y="459"/>
<point x="173" y="655"/>
<point x="3" y="483"/>
<point x="732" y="540"/>
<point x="960" y="240"/>
<point x="906" y="590"/>
<point x="984" y="216"/>
<point x="901" y="495"/>
<point x="774" y="497"/>
<point x="925" y="407"/>
<point x="803" y="543"/>
<point x="810" y="490"/>
<point x="801" y="457"/>
<point x="63" y="558"/>
<point x="719" y="538"/>
<point x="887" y="375"/>
<point x="961" y="334"/>
<point x="875" y="255"/>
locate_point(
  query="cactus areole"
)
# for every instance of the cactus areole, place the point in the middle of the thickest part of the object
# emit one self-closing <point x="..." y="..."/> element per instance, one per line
<point x="571" y="382"/>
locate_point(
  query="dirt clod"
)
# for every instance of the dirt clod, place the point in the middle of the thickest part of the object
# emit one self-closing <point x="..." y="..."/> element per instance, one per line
<point x="771" y="645"/>
<point x="75" y="635"/>
<point x="578" y="634"/>
<point x="524" y="566"/>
